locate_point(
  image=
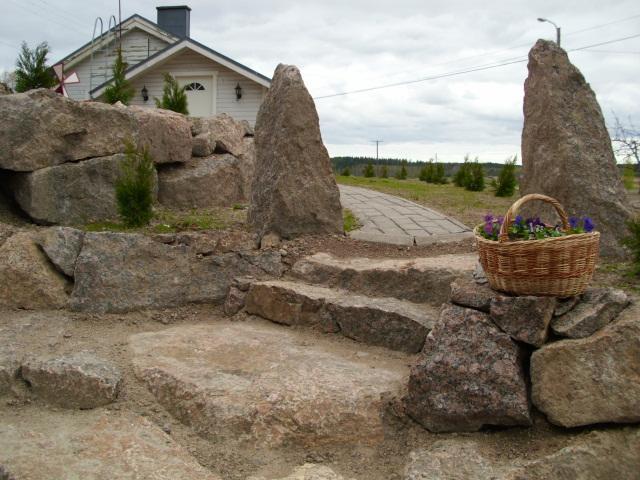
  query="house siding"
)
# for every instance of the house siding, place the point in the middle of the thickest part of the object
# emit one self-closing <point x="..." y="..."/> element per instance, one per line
<point x="194" y="64"/>
<point x="137" y="46"/>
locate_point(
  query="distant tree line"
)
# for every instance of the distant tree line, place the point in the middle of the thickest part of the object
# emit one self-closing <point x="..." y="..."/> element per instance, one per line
<point x="359" y="166"/>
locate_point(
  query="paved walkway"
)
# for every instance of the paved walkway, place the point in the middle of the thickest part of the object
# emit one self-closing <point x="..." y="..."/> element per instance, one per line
<point x="390" y="219"/>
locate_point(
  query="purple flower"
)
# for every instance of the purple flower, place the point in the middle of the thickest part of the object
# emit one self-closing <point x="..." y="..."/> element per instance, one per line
<point x="500" y="220"/>
<point x="488" y="228"/>
<point x="519" y="220"/>
<point x="488" y="218"/>
<point x="588" y="224"/>
<point x="574" y="222"/>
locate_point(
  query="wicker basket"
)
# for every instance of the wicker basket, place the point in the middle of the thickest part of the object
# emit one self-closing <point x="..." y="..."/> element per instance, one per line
<point x="557" y="266"/>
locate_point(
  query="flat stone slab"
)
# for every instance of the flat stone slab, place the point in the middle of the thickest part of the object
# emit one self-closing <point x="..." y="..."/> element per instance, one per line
<point x="91" y="445"/>
<point x="80" y="380"/>
<point x="389" y="219"/>
<point x="383" y="321"/>
<point x="270" y="385"/>
<point x="420" y="280"/>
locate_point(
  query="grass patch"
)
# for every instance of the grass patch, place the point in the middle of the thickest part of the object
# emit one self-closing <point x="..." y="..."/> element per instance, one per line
<point x="466" y="206"/>
<point x="350" y="221"/>
<point x="172" y="221"/>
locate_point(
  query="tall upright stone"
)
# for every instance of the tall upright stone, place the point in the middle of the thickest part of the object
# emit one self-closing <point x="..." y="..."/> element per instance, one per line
<point x="566" y="149"/>
<point x="293" y="190"/>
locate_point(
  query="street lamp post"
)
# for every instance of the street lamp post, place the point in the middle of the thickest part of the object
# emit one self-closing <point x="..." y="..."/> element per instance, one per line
<point x="557" y="28"/>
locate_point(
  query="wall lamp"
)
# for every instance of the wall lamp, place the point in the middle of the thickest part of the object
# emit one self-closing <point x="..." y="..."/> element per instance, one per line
<point x="238" y="91"/>
<point x="145" y="93"/>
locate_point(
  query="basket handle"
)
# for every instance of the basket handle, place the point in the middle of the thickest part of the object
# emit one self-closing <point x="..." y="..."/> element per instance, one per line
<point x="504" y="233"/>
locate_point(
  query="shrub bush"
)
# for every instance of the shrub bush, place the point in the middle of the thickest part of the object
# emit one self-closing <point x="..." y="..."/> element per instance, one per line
<point x="402" y="173"/>
<point x="384" y="172"/>
<point x="173" y="96"/>
<point x="134" y="187"/>
<point x="475" y="182"/>
<point x="463" y="175"/>
<point x="120" y="89"/>
<point x="505" y="184"/>
<point x="346" y="172"/>
<point x="31" y="68"/>
<point x="633" y="243"/>
<point x="369" y="172"/>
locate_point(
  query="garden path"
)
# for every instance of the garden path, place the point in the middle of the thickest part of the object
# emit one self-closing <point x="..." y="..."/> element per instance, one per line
<point x="389" y="219"/>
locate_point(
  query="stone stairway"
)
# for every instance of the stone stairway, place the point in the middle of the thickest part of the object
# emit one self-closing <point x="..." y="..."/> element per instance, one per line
<point x="388" y="303"/>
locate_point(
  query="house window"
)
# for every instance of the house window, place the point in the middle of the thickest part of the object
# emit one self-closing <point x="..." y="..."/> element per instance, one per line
<point x="193" y="86"/>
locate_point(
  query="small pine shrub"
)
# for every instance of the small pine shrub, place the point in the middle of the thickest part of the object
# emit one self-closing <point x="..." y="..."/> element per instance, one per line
<point x="629" y="175"/>
<point x="120" y="89"/>
<point x="505" y="184"/>
<point x="134" y="187"/>
<point x="384" y="172"/>
<point x="463" y="175"/>
<point x="424" y="174"/>
<point x="633" y="243"/>
<point x="402" y="173"/>
<point x="476" y="178"/>
<point x="369" y="172"/>
<point x="346" y="172"/>
<point x="439" y="176"/>
<point x="174" y="96"/>
<point x="31" y="68"/>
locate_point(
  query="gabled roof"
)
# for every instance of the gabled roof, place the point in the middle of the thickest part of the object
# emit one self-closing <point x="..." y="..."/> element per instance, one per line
<point x="188" y="44"/>
<point x="134" y="21"/>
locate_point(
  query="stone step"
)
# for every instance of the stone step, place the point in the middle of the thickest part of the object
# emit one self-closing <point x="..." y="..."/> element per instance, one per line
<point x="261" y="384"/>
<point x="383" y="321"/>
<point x="91" y="445"/>
<point x="420" y="280"/>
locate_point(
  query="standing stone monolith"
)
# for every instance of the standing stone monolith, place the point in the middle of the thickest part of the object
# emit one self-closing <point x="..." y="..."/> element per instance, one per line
<point x="293" y="190"/>
<point x="566" y="149"/>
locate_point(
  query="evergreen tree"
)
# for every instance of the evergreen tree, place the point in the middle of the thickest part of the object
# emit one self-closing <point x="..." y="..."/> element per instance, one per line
<point x="402" y="173"/>
<point x="439" y="175"/>
<point x="173" y="96"/>
<point x="476" y="178"/>
<point x="369" y="172"/>
<point x="384" y="172"/>
<point x="505" y="185"/>
<point x="134" y="187"/>
<point x="424" y="174"/>
<point x="463" y="175"/>
<point x="346" y="172"/>
<point x="31" y="68"/>
<point x="120" y="89"/>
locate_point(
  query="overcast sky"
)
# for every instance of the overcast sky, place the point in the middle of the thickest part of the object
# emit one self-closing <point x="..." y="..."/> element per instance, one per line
<point x="356" y="44"/>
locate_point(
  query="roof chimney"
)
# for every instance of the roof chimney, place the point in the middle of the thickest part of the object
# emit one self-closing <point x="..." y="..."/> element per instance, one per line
<point x="175" y="20"/>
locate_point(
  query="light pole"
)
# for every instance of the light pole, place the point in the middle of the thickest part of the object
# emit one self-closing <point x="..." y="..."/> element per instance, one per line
<point x="557" y="28"/>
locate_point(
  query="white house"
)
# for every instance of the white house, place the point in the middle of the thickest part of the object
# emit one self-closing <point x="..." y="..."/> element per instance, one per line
<point x="214" y="83"/>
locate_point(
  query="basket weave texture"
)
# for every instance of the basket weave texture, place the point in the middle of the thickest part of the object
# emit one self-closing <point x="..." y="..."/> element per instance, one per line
<point x="557" y="266"/>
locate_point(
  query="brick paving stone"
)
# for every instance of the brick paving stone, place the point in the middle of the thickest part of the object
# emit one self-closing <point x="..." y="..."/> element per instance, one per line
<point x="391" y="219"/>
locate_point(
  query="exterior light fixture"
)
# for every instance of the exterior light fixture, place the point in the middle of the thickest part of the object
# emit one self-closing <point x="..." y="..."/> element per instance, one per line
<point x="238" y="91"/>
<point x="145" y="93"/>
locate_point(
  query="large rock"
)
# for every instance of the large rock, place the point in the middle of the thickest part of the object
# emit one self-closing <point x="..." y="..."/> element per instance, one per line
<point x="566" y="148"/>
<point x="596" y="308"/>
<point x="591" y="380"/>
<point x="600" y="455"/>
<point x="220" y="134"/>
<point x="294" y="191"/>
<point x="91" y="445"/>
<point x="267" y="384"/>
<point x="469" y="374"/>
<point x="388" y="322"/>
<point x="525" y="318"/>
<point x="420" y="280"/>
<point x="27" y="279"/>
<point x="468" y="293"/>
<point x="9" y="369"/>
<point x="118" y="272"/>
<point x="70" y="194"/>
<point x="41" y="128"/>
<point x="62" y="246"/>
<point x="217" y="180"/>
<point x="166" y="134"/>
<point x="81" y="380"/>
